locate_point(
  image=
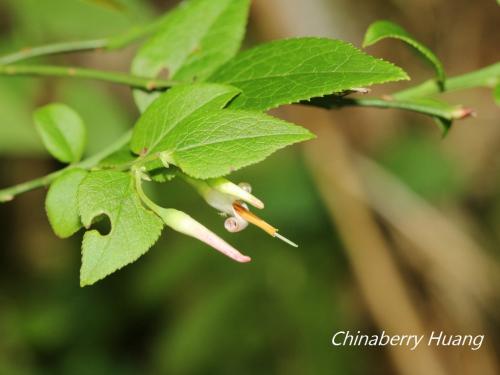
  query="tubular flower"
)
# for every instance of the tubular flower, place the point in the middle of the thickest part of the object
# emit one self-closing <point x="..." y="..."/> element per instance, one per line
<point x="231" y="200"/>
<point x="183" y="223"/>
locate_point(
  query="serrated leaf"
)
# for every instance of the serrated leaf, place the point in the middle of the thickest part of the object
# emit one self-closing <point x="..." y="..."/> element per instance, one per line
<point x="62" y="131"/>
<point x="380" y="30"/>
<point x="496" y="94"/>
<point x="171" y="108"/>
<point x="61" y="203"/>
<point x="188" y="125"/>
<point x="194" y="41"/>
<point x="134" y="229"/>
<point x="292" y="70"/>
<point x="214" y="144"/>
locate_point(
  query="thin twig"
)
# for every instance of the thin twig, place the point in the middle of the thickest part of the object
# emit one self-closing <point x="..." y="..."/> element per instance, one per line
<point x="9" y="193"/>
<point x="111" y="43"/>
<point x="487" y="77"/>
<point x="144" y="83"/>
<point x="442" y="111"/>
<point x="53" y="49"/>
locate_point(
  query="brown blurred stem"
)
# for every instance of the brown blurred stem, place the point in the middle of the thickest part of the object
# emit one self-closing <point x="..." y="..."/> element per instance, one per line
<point x="388" y="295"/>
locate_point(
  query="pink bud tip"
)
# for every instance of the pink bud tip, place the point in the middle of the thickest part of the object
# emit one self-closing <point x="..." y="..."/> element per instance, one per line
<point x="210" y="238"/>
<point x="184" y="223"/>
<point x="462" y="113"/>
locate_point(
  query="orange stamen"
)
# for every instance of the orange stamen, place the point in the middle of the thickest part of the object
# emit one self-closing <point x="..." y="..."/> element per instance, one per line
<point x="254" y="219"/>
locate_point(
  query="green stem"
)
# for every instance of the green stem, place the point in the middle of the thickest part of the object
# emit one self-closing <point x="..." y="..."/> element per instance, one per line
<point x="148" y="202"/>
<point x="486" y="77"/>
<point x="426" y="108"/>
<point x="9" y="193"/>
<point x="112" y="43"/>
<point x="53" y="49"/>
<point x="148" y="84"/>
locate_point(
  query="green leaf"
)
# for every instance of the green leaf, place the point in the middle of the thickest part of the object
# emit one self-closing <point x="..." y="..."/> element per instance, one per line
<point x="385" y="29"/>
<point x="194" y="41"/>
<point x="171" y="108"/>
<point x="134" y="229"/>
<point x="292" y="70"/>
<point x="215" y="144"/>
<point x="61" y="203"/>
<point x="188" y="125"/>
<point x="62" y="131"/>
<point x="496" y="94"/>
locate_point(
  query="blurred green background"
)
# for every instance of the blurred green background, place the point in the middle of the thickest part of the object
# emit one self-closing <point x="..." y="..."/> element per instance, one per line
<point x="183" y="308"/>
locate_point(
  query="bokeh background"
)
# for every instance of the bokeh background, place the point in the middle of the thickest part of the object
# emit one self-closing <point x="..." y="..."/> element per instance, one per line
<point x="399" y="230"/>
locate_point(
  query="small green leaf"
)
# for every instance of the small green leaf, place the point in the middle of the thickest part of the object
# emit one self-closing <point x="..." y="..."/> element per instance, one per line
<point x="292" y="70"/>
<point x="62" y="131"/>
<point x="171" y="108"/>
<point x="496" y="94"/>
<point x="193" y="42"/>
<point x="215" y="144"/>
<point x="134" y="229"/>
<point x="385" y="29"/>
<point x="61" y="203"/>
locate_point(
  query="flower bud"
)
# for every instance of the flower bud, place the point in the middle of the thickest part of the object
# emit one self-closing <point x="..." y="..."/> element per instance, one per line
<point x="240" y="192"/>
<point x="183" y="223"/>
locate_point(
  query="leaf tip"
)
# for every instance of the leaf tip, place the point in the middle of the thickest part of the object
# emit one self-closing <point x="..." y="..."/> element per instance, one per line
<point x="85" y="281"/>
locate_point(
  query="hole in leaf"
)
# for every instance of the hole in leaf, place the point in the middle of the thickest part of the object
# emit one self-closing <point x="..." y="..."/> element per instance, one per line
<point x="102" y="224"/>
